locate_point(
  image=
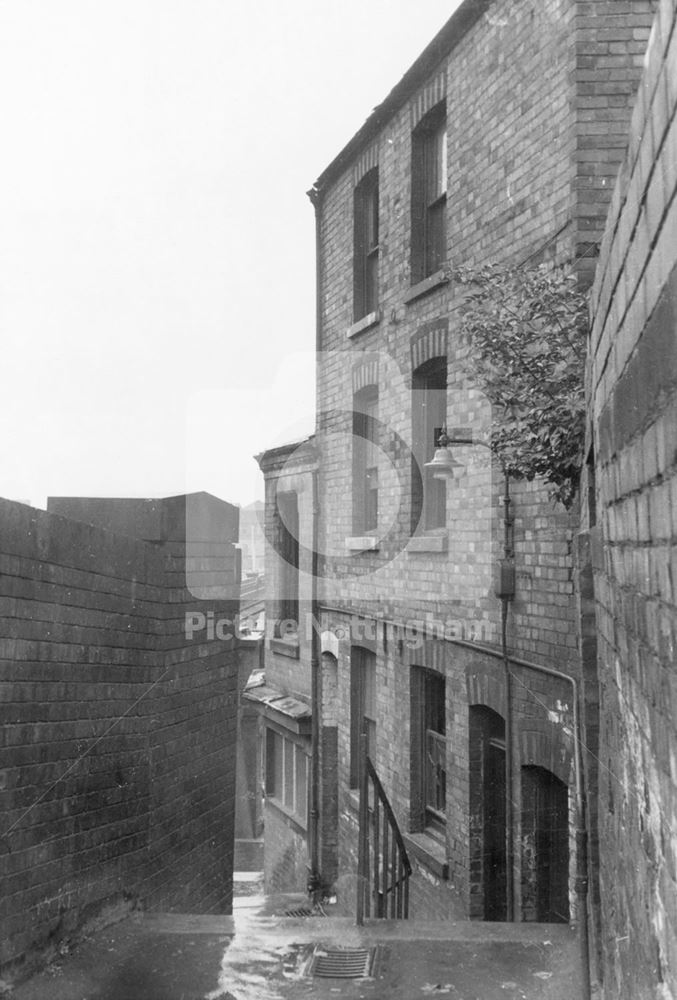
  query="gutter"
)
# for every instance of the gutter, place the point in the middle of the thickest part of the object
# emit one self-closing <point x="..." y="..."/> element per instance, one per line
<point x="458" y="25"/>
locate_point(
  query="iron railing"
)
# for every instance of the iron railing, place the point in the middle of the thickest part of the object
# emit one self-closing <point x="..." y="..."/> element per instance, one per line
<point x="383" y="867"/>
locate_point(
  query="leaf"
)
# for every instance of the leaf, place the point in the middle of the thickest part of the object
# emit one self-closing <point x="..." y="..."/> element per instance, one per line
<point x="527" y="333"/>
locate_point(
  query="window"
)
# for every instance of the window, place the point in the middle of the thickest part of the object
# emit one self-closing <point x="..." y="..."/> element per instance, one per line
<point x="288" y="549"/>
<point x="429" y="749"/>
<point x="362" y="707"/>
<point x="429" y="415"/>
<point x="287" y="774"/>
<point x="365" y="460"/>
<point x="429" y="194"/>
<point x="365" y="253"/>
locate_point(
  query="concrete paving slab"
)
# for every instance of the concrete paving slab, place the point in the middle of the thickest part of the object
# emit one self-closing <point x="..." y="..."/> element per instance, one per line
<point x="257" y="955"/>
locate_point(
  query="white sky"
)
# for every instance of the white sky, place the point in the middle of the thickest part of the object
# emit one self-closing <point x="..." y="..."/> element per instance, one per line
<point x="156" y="242"/>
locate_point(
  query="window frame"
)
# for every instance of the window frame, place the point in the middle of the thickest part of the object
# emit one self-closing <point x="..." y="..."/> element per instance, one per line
<point x="366" y="220"/>
<point x="429" y="415"/>
<point x="282" y="769"/>
<point x="365" y="461"/>
<point x="428" y="719"/>
<point x="288" y="550"/>
<point x="429" y="185"/>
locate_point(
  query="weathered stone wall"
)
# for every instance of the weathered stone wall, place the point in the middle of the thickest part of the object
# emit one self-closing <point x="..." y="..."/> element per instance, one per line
<point x="633" y="404"/>
<point x="118" y="731"/>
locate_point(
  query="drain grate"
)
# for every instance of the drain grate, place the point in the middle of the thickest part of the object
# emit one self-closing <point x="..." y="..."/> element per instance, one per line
<point x="305" y="911"/>
<point x="342" y="963"/>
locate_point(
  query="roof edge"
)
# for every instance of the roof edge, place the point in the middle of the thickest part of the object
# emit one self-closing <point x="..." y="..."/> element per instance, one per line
<point x="458" y="25"/>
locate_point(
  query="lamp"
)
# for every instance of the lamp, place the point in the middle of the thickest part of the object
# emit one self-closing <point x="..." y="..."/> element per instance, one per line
<point x="443" y="463"/>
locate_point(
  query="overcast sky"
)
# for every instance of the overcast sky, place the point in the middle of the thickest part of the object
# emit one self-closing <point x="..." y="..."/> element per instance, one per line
<point x="156" y="241"/>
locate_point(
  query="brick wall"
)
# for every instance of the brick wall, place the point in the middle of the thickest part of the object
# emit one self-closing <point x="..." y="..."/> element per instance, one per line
<point x="538" y="95"/>
<point x="633" y="406"/>
<point x="118" y="732"/>
<point x="610" y="38"/>
<point x="285" y="853"/>
<point x="511" y="123"/>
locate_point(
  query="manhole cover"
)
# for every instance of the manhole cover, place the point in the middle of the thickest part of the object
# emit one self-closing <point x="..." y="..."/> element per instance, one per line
<point x="343" y="963"/>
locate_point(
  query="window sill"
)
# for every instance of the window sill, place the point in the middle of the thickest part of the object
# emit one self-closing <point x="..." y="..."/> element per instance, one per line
<point x="371" y="319"/>
<point x="429" y="852"/>
<point x="286" y="647"/>
<point x="362" y="543"/>
<point x="293" y="820"/>
<point x="427" y="285"/>
<point x="428" y="543"/>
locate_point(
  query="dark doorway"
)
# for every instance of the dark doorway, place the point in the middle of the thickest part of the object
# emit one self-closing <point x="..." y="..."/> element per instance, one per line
<point x="545" y="846"/>
<point x="487" y="814"/>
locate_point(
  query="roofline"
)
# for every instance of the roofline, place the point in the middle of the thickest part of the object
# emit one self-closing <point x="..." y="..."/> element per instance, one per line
<point x="460" y="22"/>
<point x="271" y="455"/>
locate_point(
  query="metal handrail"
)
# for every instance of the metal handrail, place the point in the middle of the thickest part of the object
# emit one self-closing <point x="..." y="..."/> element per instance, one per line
<point x="383" y="866"/>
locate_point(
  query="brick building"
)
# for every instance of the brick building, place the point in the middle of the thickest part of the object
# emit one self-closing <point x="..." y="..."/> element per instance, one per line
<point x="501" y="143"/>
<point x="285" y="700"/>
<point x="498" y="144"/>
<point x="632" y="390"/>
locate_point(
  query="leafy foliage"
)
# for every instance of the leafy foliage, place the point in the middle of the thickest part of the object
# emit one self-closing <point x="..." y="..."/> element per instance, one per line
<point x="527" y="334"/>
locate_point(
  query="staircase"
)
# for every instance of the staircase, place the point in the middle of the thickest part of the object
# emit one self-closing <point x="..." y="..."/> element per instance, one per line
<point x="383" y="866"/>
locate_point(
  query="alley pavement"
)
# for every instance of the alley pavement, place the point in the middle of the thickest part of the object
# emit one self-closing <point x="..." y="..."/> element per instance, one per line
<point x="262" y="954"/>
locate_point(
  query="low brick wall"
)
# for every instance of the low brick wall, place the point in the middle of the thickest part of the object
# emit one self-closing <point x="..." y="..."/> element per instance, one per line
<point x="117" y="761"/>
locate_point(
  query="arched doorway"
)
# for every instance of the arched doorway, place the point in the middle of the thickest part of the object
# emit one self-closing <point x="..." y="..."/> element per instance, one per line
<point x="487" y="815"/>
<point x="545" y="846"/>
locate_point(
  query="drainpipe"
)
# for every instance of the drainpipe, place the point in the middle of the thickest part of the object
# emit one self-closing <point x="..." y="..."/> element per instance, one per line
<point x="315" y="880"/>
<point x="315" y="877"/>
<point x="506" y="591"/>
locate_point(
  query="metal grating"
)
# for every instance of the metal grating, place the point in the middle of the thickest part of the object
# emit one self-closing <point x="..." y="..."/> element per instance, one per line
<point x="342" y="963"/>
<point x="301" y="912"/>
